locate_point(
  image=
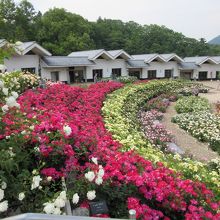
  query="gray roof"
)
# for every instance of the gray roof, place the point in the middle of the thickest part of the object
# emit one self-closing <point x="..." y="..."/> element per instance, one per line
<point x="217" y="59"/>
<point x="188" y="65"/>
<point x="91" y="54"/>
<point x="24" y="47"/>
<point x="199" y="60"/>
<point x="144" y="56"/>
<point x="137" y="64"/>
<point x="117" y="53"/>
<point x="149" y="57"/>
<point x="114" y="52"/>
<point x="171" y="56"/>
<point x="66" y="61"/>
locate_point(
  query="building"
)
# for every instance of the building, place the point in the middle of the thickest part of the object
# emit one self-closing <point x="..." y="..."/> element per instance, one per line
<point x="83" y="66"/>
<point x="201" y="68"/>
<point x="152" y="66"/>
<point x="86" y="66"/>
<point x="26" y="57"/>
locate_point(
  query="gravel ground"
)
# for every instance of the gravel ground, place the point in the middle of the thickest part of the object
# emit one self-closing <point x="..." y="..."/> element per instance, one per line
<point x="214" y="94"/>
<point x="198" y="150"/>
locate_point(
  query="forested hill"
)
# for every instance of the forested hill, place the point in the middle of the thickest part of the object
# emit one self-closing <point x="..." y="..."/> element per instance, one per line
<point x="62" y="32"/>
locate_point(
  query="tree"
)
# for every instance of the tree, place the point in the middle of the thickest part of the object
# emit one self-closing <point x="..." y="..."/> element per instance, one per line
<point x="17" y="21"/>
<point x="63" y="32"/>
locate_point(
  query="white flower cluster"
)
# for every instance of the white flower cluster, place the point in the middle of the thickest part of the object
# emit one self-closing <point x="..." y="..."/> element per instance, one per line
<point x="21" y="196"/>
<point x="35" y="182"/>
<point x="90" y="196"/>
<point x="203" y="125"/>
<point x="3" y="204"/>
<point x="67" y="130"/>
<point x="57" y="204"/>
<point x="10" y="98"/>
<point x="98" y="175"/>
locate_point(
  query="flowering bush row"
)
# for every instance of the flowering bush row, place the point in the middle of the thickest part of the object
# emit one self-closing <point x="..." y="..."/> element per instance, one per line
<point x="19" y="81"/>
<point x="192" y="88"/>
<point x="120" y="112"/>
<point x="160" y="102"/>
<point x="192" y="104"/>
<point x="58" y="140"/>
<point x="154" y="130"/>
<point x="203" y="125"/>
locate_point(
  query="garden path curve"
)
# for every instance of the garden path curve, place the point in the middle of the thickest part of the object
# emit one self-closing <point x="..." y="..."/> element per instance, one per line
<point x="199" y="151"/>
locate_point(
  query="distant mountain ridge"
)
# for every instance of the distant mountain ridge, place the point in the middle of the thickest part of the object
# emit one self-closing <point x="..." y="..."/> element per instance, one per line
<point x="215" y="41"/>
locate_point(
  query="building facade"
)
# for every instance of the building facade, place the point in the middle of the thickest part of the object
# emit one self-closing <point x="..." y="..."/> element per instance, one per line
<point x="86" y="66"/>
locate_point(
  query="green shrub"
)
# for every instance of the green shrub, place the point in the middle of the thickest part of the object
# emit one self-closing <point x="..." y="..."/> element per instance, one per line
<point x="127" y="79"/>
<point x="192" y="104"/>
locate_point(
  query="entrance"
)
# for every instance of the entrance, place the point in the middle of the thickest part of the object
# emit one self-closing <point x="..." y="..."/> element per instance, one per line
<point x="203" y="75"/>
<point x="76" y="76"/>
<point x="186" y="75"/>
<point x="135" y="73"/>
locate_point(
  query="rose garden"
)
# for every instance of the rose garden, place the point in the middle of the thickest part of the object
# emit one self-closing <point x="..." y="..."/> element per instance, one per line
<point x="106" y="142"/>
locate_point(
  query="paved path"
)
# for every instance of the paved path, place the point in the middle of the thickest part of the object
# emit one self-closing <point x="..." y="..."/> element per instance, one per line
<point x="214" y="93"/>
<point x="191" y="145"/>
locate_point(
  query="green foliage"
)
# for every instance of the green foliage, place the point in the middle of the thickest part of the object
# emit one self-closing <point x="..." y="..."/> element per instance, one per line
<point x="192" y="104"/>
<point x="6" y="52"/>
<point x="126" y="79"/>
<point x="62" y="32"/>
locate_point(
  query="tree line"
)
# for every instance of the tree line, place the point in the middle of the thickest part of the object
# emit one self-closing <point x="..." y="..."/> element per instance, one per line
<point x="62" y="32"/>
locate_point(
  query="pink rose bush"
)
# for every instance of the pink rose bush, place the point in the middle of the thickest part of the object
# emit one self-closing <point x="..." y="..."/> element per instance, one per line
<point x="59" y="134"/>
<point x="154" y="130"/>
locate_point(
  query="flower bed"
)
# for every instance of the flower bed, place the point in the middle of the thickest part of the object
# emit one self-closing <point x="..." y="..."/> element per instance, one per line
<point x="154" y="131"/>
<point x="120" y="112"/>
<point x="192" y="104"/>
<point x="203" y="125"/>
<point x="59" y="134"/>
<point x="19" y="81"/>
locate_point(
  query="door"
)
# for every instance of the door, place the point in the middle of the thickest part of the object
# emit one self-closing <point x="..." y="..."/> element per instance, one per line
<point x="55" y="76"/>
<point x="203" y="75"/>
<point x="168" y="73"/>
<point x="72" y="76"/>
<point x="186" y="75"/>
<point x="135" y="73"/>
<point x="76" y="76"/>
<point x="152" y="74"/>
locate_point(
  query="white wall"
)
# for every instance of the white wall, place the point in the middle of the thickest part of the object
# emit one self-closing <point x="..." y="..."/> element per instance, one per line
<point x="63" y="73"/>
<point x="160" y="67"/>
<point x="210" y="68"/>
<point x="107" y="66"/>
<point x="17" y="62"/>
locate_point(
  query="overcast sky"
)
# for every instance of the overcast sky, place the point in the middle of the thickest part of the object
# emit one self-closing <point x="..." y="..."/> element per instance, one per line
<point x="194" y="18"/>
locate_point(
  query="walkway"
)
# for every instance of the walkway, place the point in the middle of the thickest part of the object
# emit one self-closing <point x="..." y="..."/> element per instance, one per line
<point x="189" y="144"/>
<point x="214" y="93"/>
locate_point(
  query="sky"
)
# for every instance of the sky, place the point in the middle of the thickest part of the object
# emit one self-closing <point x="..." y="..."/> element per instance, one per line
<point x="193" y="18"/>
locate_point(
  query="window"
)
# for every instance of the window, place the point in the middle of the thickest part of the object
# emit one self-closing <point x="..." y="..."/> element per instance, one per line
<point x="168" y="73"/>
<point x="99" y="73"/>
<point x="116" y="72"/>
<point x="135" y="73"/>
<point x="55" y="76"/>
<point x="28" y="70"/>
<point x="152" y="74"/>
<point x="203" y="75"/>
